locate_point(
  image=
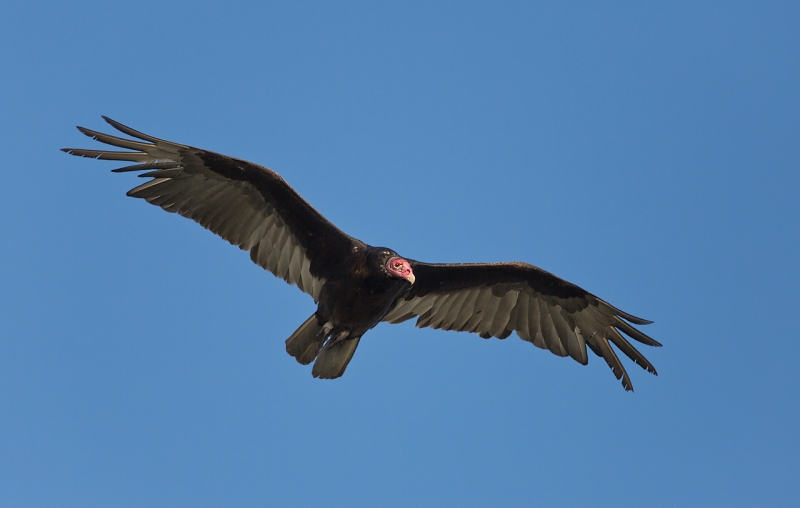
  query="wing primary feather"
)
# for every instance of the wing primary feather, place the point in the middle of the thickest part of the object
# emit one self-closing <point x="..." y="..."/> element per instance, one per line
<point x="146" y="189"/>
<point x="115" y="141"/>
<point x="162" y="173"/>
<point x="634" y="333"/>
<point x="633" y="319"/>
<point x="631" y="352"/>
<point x="136" y="134"/>
<point x="612" y="360"/>
<point x="149" y="165"/>
<point x="111" y="155"/>
<point x="609" y="310"/>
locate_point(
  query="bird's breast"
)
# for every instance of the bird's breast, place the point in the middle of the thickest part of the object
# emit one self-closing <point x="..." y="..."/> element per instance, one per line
<point x="356" y="306"/>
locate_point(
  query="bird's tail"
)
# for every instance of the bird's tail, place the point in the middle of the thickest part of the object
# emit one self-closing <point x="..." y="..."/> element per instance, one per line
<point x="334" y="357"/>
<point x="305" y="342"/>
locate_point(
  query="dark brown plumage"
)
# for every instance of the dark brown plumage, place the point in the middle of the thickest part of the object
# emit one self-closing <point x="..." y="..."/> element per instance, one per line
<point x="355" y="285"/>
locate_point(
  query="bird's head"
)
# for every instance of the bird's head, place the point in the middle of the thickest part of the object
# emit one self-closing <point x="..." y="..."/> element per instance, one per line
<point x="400" y="268"/>
<point x="396" y="266"/>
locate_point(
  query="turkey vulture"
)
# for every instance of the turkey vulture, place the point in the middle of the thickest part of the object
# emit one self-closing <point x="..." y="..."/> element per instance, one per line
<point x="355" y="285"/>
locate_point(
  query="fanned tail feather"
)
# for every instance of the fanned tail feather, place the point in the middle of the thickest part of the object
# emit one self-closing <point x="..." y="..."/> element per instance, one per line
<point x="334" y="357"/>
<point x="305" y="342"/>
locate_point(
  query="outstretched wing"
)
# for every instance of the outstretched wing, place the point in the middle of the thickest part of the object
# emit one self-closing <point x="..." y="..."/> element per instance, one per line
<point x="494" y="300"/>
<point x="248" y="205"/>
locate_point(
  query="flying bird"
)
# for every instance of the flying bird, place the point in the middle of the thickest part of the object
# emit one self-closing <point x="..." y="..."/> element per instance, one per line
<point x="355" y="285"/>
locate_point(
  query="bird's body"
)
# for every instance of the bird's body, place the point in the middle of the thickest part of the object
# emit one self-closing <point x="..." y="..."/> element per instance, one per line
<point x="350" y="304"/>
<point x="358" y="299"/>
<point x="356" y="286"/>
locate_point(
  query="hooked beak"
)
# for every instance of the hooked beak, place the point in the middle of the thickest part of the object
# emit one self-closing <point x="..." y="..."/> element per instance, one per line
<point x="400" y="268"/>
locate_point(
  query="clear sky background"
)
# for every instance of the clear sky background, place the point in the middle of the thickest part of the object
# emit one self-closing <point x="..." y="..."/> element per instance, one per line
<point x="648" y="153"/>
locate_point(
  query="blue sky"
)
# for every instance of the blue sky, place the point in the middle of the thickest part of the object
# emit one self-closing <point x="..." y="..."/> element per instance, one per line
<point x="646" y="152"/>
